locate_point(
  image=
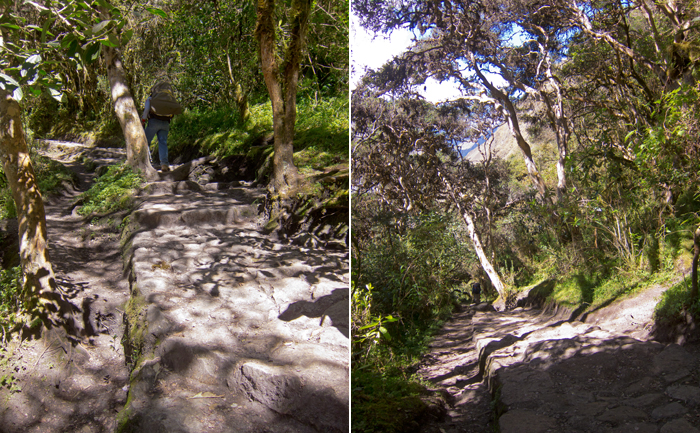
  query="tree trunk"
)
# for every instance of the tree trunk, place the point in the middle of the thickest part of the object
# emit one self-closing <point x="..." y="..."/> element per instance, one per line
<point x="514" y="126"/>
<point x="137" y="155"/>
<point x="483" y="260"/>
<point x="474" y="236"/>
<point x="694" y="266"/>
<point x="239" y="95"/>
<point x="40" y="295"/>
<point x="282" y="89"/>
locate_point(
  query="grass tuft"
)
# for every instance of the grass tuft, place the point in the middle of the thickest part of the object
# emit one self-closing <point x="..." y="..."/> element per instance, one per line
<point x="113" y="191"/>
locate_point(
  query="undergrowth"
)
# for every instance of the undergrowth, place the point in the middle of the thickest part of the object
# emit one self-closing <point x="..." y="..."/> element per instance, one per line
<point x="111" y="192"/>
<point x="676" y="303"/>
<point x="50" y="176"/>
<point x="387" y="395"/>
<point x="321" y="132"/>
<point x="10" y="280"/>
<point x="387" y="401"/>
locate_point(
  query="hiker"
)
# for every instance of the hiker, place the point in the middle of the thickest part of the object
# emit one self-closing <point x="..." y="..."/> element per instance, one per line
<point x="160" y="108"/>
<point x="476" y="292"/>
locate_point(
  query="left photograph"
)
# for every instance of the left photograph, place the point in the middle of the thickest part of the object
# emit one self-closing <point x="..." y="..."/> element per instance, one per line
<point x="174" y="216"/>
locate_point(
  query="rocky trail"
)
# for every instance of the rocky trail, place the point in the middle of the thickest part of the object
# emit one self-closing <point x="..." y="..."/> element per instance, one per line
<point x="529" y="371"/>
<point x="201" y="321"/>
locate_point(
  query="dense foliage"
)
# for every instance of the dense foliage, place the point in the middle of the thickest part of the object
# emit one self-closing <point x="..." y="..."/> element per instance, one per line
<point x="600" y="101"/>
<point x="63" y="60"/>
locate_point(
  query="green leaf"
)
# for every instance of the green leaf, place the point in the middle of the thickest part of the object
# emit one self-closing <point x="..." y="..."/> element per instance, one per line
<point x="159" y="12"/>
<point x="93" y="52"/>
<point x="73" y="48"/>
<point x="370" y="325"/>
<point x="67" y="40"/>
<point x="10" y="26"/>
<point x="33" y="27"/>
<point x="97" y="28"/>
<point x="106" y="42"/>
<point x="103" y="4"/>
<point x="113" y="39"/>
<point x="35" y="90"/>
<point x="126" y="37"/>
<point x="45" y="29"/>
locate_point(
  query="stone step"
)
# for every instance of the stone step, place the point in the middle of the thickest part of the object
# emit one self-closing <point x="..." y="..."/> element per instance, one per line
<point x="549" y="375"/>
<point x="238" y="332"/>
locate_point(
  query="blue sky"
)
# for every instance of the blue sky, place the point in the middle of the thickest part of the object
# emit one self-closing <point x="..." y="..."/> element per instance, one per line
<point x="370" y="51"/>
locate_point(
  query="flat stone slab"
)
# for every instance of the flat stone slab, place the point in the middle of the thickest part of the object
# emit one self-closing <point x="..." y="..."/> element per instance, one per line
<point x="584" y="377"/>
<point x="523" y="421"/>
<point x="238" y="332"/>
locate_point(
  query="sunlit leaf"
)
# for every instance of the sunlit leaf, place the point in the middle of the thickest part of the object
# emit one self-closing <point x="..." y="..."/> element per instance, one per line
<point x="9" y="80"/>
<point x="56" y="94"/>
<point x="97" y="28"/>
<point x="159" y="12"/>
<point x="33" y="59"/>
<point x="37" y="5"/>
<point x="67" y="40"/>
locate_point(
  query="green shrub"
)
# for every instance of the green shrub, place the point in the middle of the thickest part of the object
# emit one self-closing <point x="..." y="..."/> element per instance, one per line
<point x="51" y="176"/>
<point x="113" y="191"/>
<point x="321" y="134"/>
<point x="675" y="303"/>
<point x="10" y="280"/>
<point x="388" y="402"/>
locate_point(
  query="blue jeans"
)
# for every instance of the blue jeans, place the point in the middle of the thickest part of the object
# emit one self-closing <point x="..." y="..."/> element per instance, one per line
<point x="160" y="128"/>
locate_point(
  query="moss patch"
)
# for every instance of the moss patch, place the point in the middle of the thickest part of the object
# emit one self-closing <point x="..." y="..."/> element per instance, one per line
<point x="134" y="335"/>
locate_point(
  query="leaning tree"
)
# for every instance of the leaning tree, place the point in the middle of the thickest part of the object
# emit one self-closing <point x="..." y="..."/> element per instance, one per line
<point x="404" y="152"/>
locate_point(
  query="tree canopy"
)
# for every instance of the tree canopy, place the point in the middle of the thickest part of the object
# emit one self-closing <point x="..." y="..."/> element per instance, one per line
<point x="599" y="101"/>
<point x="83" y="70"/>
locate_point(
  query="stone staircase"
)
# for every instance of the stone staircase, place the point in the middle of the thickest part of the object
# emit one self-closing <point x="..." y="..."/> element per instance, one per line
<point x="229" y="329"/>
<point x="533" y="372"/>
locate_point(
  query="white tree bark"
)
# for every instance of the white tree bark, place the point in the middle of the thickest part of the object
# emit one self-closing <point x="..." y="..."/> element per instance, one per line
<point x="137" y="155"/>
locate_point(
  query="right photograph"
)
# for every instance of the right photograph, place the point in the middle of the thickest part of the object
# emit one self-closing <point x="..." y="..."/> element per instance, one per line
<point x="525" y="208"/>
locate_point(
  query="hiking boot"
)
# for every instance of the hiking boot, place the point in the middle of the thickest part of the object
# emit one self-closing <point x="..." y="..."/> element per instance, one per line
<point x="165" y="168"/>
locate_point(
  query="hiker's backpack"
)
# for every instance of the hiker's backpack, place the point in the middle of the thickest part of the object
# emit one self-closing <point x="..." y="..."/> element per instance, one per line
<point x="163" y="102"/>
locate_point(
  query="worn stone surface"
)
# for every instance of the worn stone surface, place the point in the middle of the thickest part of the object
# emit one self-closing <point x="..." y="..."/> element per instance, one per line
<point x="549" y="372"/>
<point x="248" y="321"/>
<point x="679" y="426"/>
<point x="225" y="328"/>
<point x="527" y="422"/>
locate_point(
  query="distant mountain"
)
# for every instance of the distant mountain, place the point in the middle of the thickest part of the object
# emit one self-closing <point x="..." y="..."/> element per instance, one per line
<point x="504" y="145"/>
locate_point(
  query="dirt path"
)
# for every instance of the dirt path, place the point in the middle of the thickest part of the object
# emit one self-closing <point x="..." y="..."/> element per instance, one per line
<point x="55" y="385"/>
<point x="203" y="322"/>
<point x="527" y="372"/>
